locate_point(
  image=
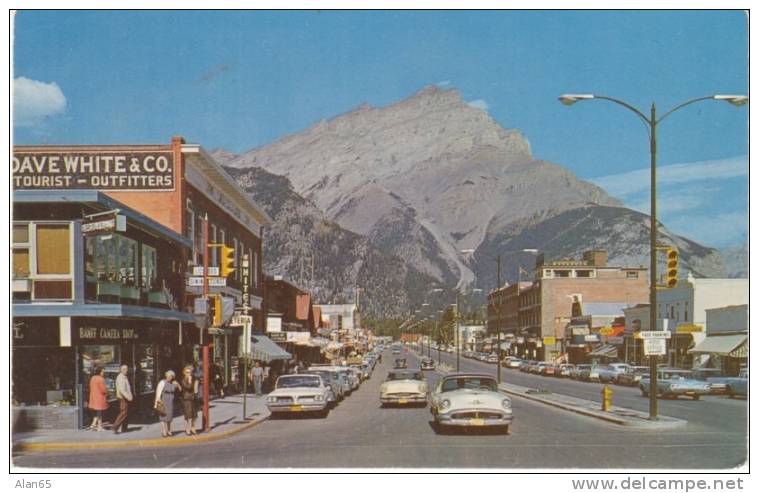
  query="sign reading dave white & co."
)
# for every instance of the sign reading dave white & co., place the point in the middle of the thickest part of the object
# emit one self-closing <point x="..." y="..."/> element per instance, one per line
<point x="112" y="170"/>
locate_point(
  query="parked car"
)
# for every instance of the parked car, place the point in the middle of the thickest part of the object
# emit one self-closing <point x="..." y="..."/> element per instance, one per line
<point x="492" y="358"/>
<point x="540" y="368"/>
<point x="534" y="367"/>
<point x="427" y="364"/>
<point x="592" y="373"/>
<point x="564" y="370"/>
<point x="300" y="393"/>
<point x="470" y="400"/>
<point x="332" y="379"/>
<point x="738" y="385"/>
<point x="609" y="373"/>
<point x="674" y="383"/>
<point x="511" y="362"/>
<point x="526" y="364"/>
<point x="404" y="387"/>
<point x="577" y="371"/>
<point x="632" y="377"/>
<point x="400" y="363"/>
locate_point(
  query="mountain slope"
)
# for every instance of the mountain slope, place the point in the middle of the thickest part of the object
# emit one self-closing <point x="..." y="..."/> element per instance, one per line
<point x="324" y="258"/>
<point x="434" y="169"/>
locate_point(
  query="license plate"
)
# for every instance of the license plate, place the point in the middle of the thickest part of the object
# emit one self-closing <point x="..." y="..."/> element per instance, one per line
<point x="402" y="401"/>
<point x="477" y="422"/>
<point x="296" y="408"/>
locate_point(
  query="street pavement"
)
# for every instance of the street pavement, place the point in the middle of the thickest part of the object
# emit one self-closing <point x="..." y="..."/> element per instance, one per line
<point x="361" y="434"/>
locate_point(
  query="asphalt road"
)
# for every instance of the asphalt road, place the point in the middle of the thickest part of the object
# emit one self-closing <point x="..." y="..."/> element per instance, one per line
<point x="361" y="434"/>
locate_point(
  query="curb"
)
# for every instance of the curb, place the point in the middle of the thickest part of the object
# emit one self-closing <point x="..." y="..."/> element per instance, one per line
<point x="666" y="422"/>
<point x="150" y="442"/>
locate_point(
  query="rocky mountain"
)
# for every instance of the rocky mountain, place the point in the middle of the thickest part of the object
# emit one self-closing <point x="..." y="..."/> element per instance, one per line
<point x="222" y="156"/>
<point x="329" y="261"/>
<point x="736" y="261"/>
<point x="623" y="233"/>
<point x="429" y="176"/>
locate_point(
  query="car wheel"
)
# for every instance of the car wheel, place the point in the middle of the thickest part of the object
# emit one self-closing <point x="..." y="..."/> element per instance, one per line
<point x="696" y="397"/>
<point x="323" y="413"/>
<point x="506" y="430"/>
<point x="729" y="392"/>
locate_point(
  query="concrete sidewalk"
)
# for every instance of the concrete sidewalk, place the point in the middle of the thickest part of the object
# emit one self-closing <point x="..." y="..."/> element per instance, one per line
<point x="618" y="415"/>
<point x="226" y="420"/>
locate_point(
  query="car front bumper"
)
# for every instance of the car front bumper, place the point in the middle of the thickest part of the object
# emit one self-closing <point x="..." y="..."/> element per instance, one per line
<point x="275" y="407"/>
<point x="475" y="417"/>
<point x="403" y="399"/>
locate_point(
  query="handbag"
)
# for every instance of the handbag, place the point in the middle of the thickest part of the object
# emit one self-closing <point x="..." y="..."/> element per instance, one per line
<point x="160" y="407"/>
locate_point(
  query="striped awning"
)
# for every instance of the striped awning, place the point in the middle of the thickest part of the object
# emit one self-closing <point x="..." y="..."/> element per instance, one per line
<point x="723" y="345"/>
<point x="266" y="350"/>
<point x="607" y="350"/>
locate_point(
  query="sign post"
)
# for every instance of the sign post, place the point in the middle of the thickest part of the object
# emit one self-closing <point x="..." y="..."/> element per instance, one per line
<point x="654" y="345"/>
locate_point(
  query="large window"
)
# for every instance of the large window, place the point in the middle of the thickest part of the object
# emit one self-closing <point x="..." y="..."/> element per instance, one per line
<point x="42" y="256"/>
<point x="149" y="268"/>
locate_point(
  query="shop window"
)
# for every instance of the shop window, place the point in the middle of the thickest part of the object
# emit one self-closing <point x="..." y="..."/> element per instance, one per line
<point x="149" y="268"/>
<point x="584" y="273"/>
<point x="214" y="252"/>
<point x="107" y="356"/>
<point x="21" y="247"/>
<point x="53" y="244"/>
<point x="146" y="379"/>
<point x="561" y="273"/>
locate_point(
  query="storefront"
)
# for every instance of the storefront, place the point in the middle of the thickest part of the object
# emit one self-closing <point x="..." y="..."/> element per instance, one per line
<point x="55" y="357"/>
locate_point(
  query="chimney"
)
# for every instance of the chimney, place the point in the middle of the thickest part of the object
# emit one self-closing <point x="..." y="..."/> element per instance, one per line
<point x="596" y="258"/>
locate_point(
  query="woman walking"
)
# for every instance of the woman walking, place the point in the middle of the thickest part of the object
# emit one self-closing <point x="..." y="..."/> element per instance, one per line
<point x="98" y="401"/>
<point x="189" y="387"/>
<point x="164" y="401"/>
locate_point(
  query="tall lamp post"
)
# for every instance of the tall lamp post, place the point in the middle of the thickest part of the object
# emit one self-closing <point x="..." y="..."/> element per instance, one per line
<point x="652" y="122"/>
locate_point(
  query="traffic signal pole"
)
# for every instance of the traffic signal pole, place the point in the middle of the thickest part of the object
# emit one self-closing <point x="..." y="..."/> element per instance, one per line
<point x="204" y="343"/>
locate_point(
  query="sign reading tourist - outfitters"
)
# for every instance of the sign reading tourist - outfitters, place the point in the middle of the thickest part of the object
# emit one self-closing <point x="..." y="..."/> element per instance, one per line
<point x="102" y="170"/>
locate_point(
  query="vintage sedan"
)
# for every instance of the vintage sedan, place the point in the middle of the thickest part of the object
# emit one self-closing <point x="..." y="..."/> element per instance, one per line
<point x="511" y="362"/>
<point x="492" y="358"/>
<point x="612" y="371"/>
<point x="738" y="385"/>
<point x="404" y="387"/>
<point x="427" y="364"/>
<point x="632" y="377"/>
<point x="577" y="371"/>
<point x="332" y="379"/>
<point x="565" y="370"/>
<point x="400" y="363"/>
<point x="674" y="383"/>
<point x="470" y="400"/>
<point x="300" y="393"/>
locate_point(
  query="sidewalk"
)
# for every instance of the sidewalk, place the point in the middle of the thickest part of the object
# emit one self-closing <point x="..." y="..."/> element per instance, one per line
<point x="618" y="415"/>
<point x="226" y="420"/>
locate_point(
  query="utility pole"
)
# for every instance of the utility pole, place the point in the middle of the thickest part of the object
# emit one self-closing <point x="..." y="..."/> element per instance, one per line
<point x="458" y="345"/>
<point x="653" y="403"/>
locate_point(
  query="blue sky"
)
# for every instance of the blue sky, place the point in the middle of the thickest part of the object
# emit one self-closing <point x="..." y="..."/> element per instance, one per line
<point x="242" y="79"/>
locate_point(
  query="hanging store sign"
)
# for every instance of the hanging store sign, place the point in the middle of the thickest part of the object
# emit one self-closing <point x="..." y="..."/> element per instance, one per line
<point x="689" y="328"/>
<point x="103" y="224"/>
<point x="549" y="341"/>
<point x="212" y="281"/>
<point x="277" y="336"/>
<point x="101" y="170"/>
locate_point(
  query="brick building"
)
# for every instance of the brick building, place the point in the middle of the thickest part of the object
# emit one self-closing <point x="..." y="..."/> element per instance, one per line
<point x="545" y="306"/>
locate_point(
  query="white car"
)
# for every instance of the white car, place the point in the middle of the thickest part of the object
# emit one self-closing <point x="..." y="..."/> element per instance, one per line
<point x="299" y="393"/>
<point x="469" y="400"/>
<point x="404" y="387"/>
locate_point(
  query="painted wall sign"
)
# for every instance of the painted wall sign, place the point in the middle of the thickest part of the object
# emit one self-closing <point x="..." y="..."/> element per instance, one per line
<point x="132" y="170"/>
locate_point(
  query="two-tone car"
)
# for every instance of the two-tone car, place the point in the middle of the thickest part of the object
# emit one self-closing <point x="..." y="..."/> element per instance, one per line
<point x="672" y="382"/>
<point x="400" y="363"/>
<point x="470" y="400"/>
<point x="404" y="387"/>
<point x="427" y="364"/>
<point x="565" y="370"/>
<point x="300" y="393"/>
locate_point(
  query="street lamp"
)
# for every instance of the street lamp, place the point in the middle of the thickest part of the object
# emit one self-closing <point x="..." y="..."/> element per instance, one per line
<point x="652" y="122"/>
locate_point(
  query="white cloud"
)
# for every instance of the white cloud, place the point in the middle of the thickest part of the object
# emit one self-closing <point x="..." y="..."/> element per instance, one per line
<point x="639" y="180"/>
<point x="443" y="83"/>
<point x="479" y="104"/>
<point x="671" y="199"/>
<point x="33" y="101"/>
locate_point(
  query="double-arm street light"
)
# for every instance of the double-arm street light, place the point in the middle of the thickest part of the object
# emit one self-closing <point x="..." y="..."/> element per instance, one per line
<point x="652" y="122"/>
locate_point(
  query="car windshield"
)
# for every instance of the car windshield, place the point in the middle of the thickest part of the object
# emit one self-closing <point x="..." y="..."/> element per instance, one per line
<point x="675" y="375"/>
<point x="475" y="383"/>
<point x="327" y="376"/>
<point x="641" y="371"/>
<point x="405" y="375"/>
<point x="298" y="381"/>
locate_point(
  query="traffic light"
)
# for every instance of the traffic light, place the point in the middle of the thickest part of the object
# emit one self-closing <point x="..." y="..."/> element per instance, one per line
<point x="216" y="312"/>
<point x="672" y="266"/>
<point x="227" y="261"/>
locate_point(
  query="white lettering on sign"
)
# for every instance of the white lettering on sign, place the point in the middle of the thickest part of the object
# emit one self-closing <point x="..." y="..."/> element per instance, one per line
<point x="106" y="333"/>
<point x="212" y="281"/>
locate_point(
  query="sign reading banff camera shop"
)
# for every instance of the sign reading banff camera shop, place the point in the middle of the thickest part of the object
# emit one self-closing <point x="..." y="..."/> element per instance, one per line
<point x="131" y="170"/>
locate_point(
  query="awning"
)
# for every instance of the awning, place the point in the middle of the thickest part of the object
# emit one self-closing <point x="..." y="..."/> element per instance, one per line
<point x="723" y="345"/>
<point x="266" y="350"/>
<point x="606" y="351"/>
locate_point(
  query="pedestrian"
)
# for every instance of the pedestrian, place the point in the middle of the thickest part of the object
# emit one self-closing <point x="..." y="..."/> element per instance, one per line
<point x="164" y="401"/>
<point x="189" y="386"/>
<point x="218" y="378"/>
<point x="98" y="401"/>
<point x="124" y="395"/>
<point x="258" y="376"/>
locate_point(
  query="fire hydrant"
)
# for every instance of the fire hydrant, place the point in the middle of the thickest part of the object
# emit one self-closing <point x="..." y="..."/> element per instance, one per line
<point x="606" y="393"/>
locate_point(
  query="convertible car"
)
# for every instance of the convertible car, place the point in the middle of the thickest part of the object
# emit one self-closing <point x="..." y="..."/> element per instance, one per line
<point x="404" y="387"/>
